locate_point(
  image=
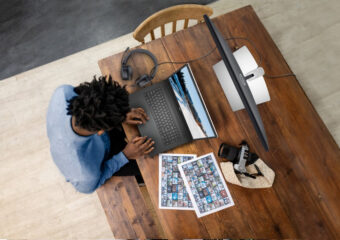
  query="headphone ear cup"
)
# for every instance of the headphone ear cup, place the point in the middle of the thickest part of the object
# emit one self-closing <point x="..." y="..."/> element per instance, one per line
<point x="126" y="72"/>
<point x="123" y="72"/>
<point x="143" y="80"/>
<point x="129" y="70"/>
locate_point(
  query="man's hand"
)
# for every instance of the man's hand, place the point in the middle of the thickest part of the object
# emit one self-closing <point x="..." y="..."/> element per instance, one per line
<point x="136" y="116"/>
<point x="138" y="147"/>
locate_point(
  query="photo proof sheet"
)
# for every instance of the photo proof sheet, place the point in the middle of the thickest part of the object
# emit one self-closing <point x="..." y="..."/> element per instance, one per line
<point x="205" y="185"/>
<point x="172" y="191"/>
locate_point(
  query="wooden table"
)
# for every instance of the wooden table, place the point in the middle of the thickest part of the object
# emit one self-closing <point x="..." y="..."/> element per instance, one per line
<point x="303" y="203"/>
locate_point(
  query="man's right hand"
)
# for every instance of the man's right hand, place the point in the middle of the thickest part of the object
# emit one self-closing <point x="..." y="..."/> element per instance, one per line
<point x="138" y="147"/>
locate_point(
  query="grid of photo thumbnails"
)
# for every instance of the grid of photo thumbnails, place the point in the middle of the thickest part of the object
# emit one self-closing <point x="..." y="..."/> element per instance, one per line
<point x="206" y="184"/>
<point x="173" y="191"/>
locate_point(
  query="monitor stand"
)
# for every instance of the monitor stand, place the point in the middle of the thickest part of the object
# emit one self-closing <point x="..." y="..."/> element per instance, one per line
<point x="254" y="77"/>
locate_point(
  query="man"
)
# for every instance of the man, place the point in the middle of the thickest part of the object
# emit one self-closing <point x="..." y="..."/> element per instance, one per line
<point x="86" y="137"/>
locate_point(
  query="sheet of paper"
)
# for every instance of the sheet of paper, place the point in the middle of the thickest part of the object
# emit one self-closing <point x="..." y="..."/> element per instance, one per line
<point x="172" y="191"/>
<point x="205" y="185"/>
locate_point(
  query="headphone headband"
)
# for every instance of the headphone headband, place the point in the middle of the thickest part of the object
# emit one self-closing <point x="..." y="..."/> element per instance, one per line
<point x="127" y="49"/>
<point x="143" y="51"/>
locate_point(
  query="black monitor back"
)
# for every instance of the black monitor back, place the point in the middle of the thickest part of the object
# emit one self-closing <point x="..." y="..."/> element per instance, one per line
<point x="239" y="81"/>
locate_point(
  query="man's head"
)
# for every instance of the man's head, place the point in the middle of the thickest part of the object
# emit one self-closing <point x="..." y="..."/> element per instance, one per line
<point x="100" y="105"/>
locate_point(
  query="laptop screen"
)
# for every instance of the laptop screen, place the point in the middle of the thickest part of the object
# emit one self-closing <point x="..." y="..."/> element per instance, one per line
<point x="191" y="104"/>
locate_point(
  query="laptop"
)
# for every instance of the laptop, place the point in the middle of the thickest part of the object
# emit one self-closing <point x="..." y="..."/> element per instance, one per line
<point x="176" y="109"/>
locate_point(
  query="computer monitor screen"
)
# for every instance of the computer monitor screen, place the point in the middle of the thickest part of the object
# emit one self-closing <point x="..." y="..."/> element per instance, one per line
<point x="239" y="81"/>
<point x="191" y="104"/>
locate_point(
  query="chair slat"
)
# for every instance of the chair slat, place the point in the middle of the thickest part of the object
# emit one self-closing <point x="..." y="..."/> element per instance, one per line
<point x="152" y="35"/>
<point x="170" y="15"/>
<point x="163" y="30"/>
<point x="173" y="26"/>
<point x="186" y="23"/>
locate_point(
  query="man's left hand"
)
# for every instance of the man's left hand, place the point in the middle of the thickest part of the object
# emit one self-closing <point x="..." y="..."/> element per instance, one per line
<point x="136" y="116"/>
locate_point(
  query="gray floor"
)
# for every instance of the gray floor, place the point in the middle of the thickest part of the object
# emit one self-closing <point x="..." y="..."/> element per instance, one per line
<point x="35" y="32"/>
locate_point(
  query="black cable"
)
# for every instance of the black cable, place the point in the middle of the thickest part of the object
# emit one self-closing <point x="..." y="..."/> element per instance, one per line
<point x="189" y="61"/>
<point x="260" y="57"/>
<point x="252" y="43"/>
<point x="211" y="51"/>
<point x="280" y="76"/>
<point x="196" y="59"/>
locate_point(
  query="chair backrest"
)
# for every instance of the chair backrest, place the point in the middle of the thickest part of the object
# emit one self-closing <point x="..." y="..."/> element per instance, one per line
<point x="170" y="15"/>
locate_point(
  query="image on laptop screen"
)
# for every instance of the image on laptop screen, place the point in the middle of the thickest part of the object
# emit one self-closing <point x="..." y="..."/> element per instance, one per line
<point x="191" y="104"/>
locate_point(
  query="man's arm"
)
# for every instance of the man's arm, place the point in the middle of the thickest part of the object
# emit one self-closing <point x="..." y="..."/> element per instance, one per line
<point x="111" y="166"/>
<point x="137" y="147"/>
<point x="108" y="168"/>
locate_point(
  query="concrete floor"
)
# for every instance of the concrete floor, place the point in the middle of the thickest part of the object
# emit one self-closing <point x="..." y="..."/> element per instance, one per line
<point x="33" y="33"/>
<point x="35" y="200"/>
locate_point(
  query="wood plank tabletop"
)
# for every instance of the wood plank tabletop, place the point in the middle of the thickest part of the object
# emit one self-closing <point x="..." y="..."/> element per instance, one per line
<point x="126" y="210"/>
<point x="303" y="201"/>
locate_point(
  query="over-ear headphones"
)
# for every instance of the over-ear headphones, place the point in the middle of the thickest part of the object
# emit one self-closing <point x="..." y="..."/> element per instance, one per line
<point x="126" y="70"/>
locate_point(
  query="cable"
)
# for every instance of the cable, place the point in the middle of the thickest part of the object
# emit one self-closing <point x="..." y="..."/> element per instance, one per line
<point x="252" y="43"/>
<point x="260" y="57"/>
<point x="211" y="51"/>
<point x="280" y="76"/>
<point x="189" y="61"/>
<point x="196" y="59"/>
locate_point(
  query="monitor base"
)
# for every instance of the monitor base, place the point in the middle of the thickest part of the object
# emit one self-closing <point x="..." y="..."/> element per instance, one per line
<point x="254" y="78"/>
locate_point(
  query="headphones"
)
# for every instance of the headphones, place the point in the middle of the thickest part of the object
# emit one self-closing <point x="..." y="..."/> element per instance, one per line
<point x="126" y="70"/>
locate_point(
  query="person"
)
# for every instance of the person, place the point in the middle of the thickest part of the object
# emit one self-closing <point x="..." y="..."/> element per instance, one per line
<point x="87" y="141"/>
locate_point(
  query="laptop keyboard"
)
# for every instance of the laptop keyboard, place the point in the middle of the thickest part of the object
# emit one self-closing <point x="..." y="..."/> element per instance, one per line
<point x="162" y="116"/>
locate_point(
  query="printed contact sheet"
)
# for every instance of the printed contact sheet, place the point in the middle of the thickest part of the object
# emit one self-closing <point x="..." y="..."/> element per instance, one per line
<point x="172" y="191"/>
<point x="205" y="185"/>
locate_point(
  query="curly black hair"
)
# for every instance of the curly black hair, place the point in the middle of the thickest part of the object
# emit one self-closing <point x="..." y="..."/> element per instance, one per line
<point x="100" y="105"/>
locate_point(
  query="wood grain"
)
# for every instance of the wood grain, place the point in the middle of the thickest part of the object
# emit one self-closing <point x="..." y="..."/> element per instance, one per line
<point x="303" y="201"/>
<point x="126" y="210"/>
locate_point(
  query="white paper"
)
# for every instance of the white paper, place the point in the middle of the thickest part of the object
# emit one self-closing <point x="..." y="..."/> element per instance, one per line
<point x="172" y="191"/>
<point x="205" y="185"/>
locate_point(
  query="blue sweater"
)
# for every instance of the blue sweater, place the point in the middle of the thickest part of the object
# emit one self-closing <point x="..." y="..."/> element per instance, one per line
<point x="82" y="160"/>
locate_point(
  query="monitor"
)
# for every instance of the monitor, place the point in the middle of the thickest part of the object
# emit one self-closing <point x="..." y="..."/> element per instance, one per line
<point x="239" y="81"/>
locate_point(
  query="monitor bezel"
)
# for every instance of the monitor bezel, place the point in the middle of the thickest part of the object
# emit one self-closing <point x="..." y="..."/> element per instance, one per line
<point x="239" y="81"/>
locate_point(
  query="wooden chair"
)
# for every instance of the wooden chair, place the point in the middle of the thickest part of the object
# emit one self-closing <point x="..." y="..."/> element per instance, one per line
<point x="168" y="15"/>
